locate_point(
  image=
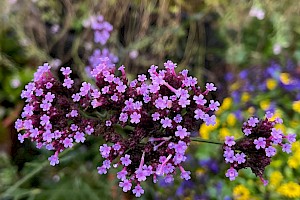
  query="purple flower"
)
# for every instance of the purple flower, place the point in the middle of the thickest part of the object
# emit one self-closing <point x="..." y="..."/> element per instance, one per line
<point x="260" y="143"/>
<point x="135" y="118"/>
<point x="49" y="97"/>
<point x="123" y="117"/>
<point x="199" y="114"/>
<point x="122" y="175"/>
<point x="291" y="138"/>
<point x="66" y="71"/>
<point x="74" y="113"/>
<point x="44" y="119"/>
<point x="79" y="137"/>
<point x="287" y="148"/>
<point x="240" y="158"/>
<point x="105" y="150"/>
<point x="229" y="140"/>
<point x="247" y="131"/>
<point x="125" y="160"/>
<point x="166" y="122"/>
<point x="178" y="118"/>
<point x="155" y="116"/>
<point x="185" y="175"/>
<point x="53" y="160"/>
<point x="85" y="88"/>
<point x="76" y="97"/>
<point x="121" y="88"/>
<point x="126" y="185"/>
<point x="209" y="120"/>
<point x="102" y="170"/>
<point x="210" y="87"/>
<point x="140" y="175"/>
<point x="214" y="105"/>
<point x="68" y="142"/>
<point x="68" y="82"/>
<point x="270" y="151"/>
<point x="181" y="132"/>
<point x="231" y="174"/>
<point x="253" y="121"/>
<point x="200" y="100"/>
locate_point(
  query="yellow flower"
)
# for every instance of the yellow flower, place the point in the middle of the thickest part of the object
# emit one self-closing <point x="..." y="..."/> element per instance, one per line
<point x="271" y="83"/>
<point x="227" y="102"/>
<point x="245" y="97"/>
<point x="251" y="110"/>
<point x="235" y="86"/>
<point x="277" y="113"/>
<point x="296" y="106"/>
<point x="285" y="78"/>
<point x="223" y="133"/>
<point x="240" y="192"/>
<point x="265" y="104"/>
<point x="296" y="146"/>
<point x="231" y="119"/>
<point x="275" y="178"/>
<point x="294" y="161"/>
<point x="281" y="127"/>
<point x="205" y="130"/>
<point x="290" y="190"/>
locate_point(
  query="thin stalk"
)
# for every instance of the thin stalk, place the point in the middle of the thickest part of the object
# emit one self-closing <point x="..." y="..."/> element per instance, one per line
<point x="23" y="180"/>
<point x="197" y="139"/>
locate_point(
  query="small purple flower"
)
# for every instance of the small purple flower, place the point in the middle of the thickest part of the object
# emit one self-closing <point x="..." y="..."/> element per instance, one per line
<point x="287" y="148"/>
<point x="214" y="105"/>
<point x="199" y="114"/>
<point x="44" y="119"/>
<point x="85" y="88"/>
<point x="123" y="117"/>
<point x="229" y="140"/>
<point x="66" y="71"/>
<point x="178" y="118"/>
<point x="105" y="150"/>
<point x="79" y="137"/>
<point x="270" y="151"/>
<point x="166" y="122"/>
<point x="76" y="97"/>
<point x="49" y="97"/>
<point x="135" y="118"/>
<point x="231" y="174"/>
<point x="200" y="100"/>
<point x="142" y="77"/>
<point x="138" y="191"/>
<point x="122" y="175"/>
<point x="108" y="123"/>
<point x="209" y="120"/>
<point x="183" y="102"/>
<point x="291" y="138"/>
<point x="19" y="124"/>
<point x="240" y="158"/>
<point x="121" y="88"/>
<point x="140" y="175"/>
<point x="68" y="142"/>
<point x="155" y="116"/>
<point x="68" y="82"/>
<point x="247" y="131"/>
<point x="253" y="121"/>
<point x="125" y="160"/>
<point x="102" y="170"/>
<point x="185" y="175"/>
<point x="53" y="160"/>
<point x="181" y="132"/>
<point x="260" y="143"/>
<point x="126" y="185"/>
<point x="74" y="113"/>
<point x="210" y="87"/>
<point x="21" y="138"/>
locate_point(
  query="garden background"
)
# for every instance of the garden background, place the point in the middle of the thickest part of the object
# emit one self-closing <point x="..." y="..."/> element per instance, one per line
<point x="249" y="49"/>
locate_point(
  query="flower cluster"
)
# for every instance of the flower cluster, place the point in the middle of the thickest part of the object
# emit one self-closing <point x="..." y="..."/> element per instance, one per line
<point x="156" y="113"/>
<point x="97" y="56"/>
<point x="256" y="149"/>
<point x="51" y="117"/>
<point x="101" y="29"/>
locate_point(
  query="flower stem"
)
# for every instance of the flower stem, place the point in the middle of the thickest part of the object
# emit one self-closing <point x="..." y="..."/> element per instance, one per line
<point x="198" y="139"/>
<point x="23" y="180"/>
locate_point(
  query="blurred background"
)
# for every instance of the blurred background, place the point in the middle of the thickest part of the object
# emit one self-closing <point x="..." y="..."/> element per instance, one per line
<point x="249" y="49"/>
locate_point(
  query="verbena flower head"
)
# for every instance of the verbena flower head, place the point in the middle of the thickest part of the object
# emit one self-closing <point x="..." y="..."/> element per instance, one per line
<point x="157" y="112"/>
<point x="52" y="114"/>
<point x="256" y="149"/>
<point x="101" y="29"/>
<point x="146" y="123"/>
